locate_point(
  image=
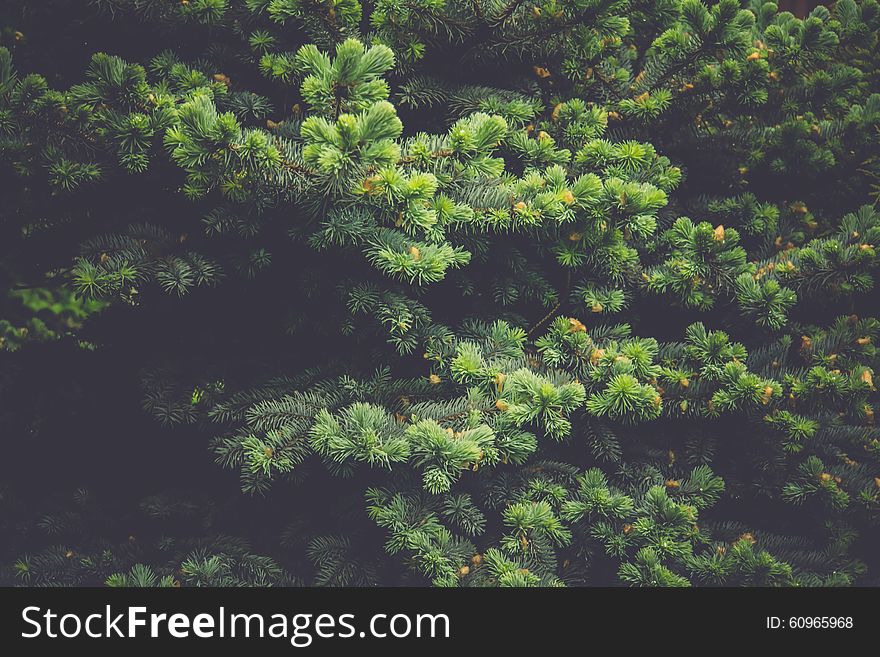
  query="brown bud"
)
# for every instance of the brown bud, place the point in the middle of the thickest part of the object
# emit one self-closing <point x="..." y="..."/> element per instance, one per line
<point x="576" y="326"/>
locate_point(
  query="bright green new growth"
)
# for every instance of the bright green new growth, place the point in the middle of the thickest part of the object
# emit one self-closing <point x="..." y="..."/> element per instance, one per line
<point x="603" y="322"/>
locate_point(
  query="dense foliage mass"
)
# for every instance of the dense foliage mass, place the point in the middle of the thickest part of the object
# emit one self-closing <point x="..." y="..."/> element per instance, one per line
<point x="463" y="292"/>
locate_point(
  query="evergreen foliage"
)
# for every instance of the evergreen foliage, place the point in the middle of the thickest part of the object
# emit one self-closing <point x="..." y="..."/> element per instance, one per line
<point x="555" y="293"/>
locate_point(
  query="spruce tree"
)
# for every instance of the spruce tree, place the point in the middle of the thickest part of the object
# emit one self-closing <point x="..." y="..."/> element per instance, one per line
<point x="556" y="293"/>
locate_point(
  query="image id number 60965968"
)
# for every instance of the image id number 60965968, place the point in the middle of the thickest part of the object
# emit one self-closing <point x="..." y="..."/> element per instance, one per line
<point x="810" y="623"/>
